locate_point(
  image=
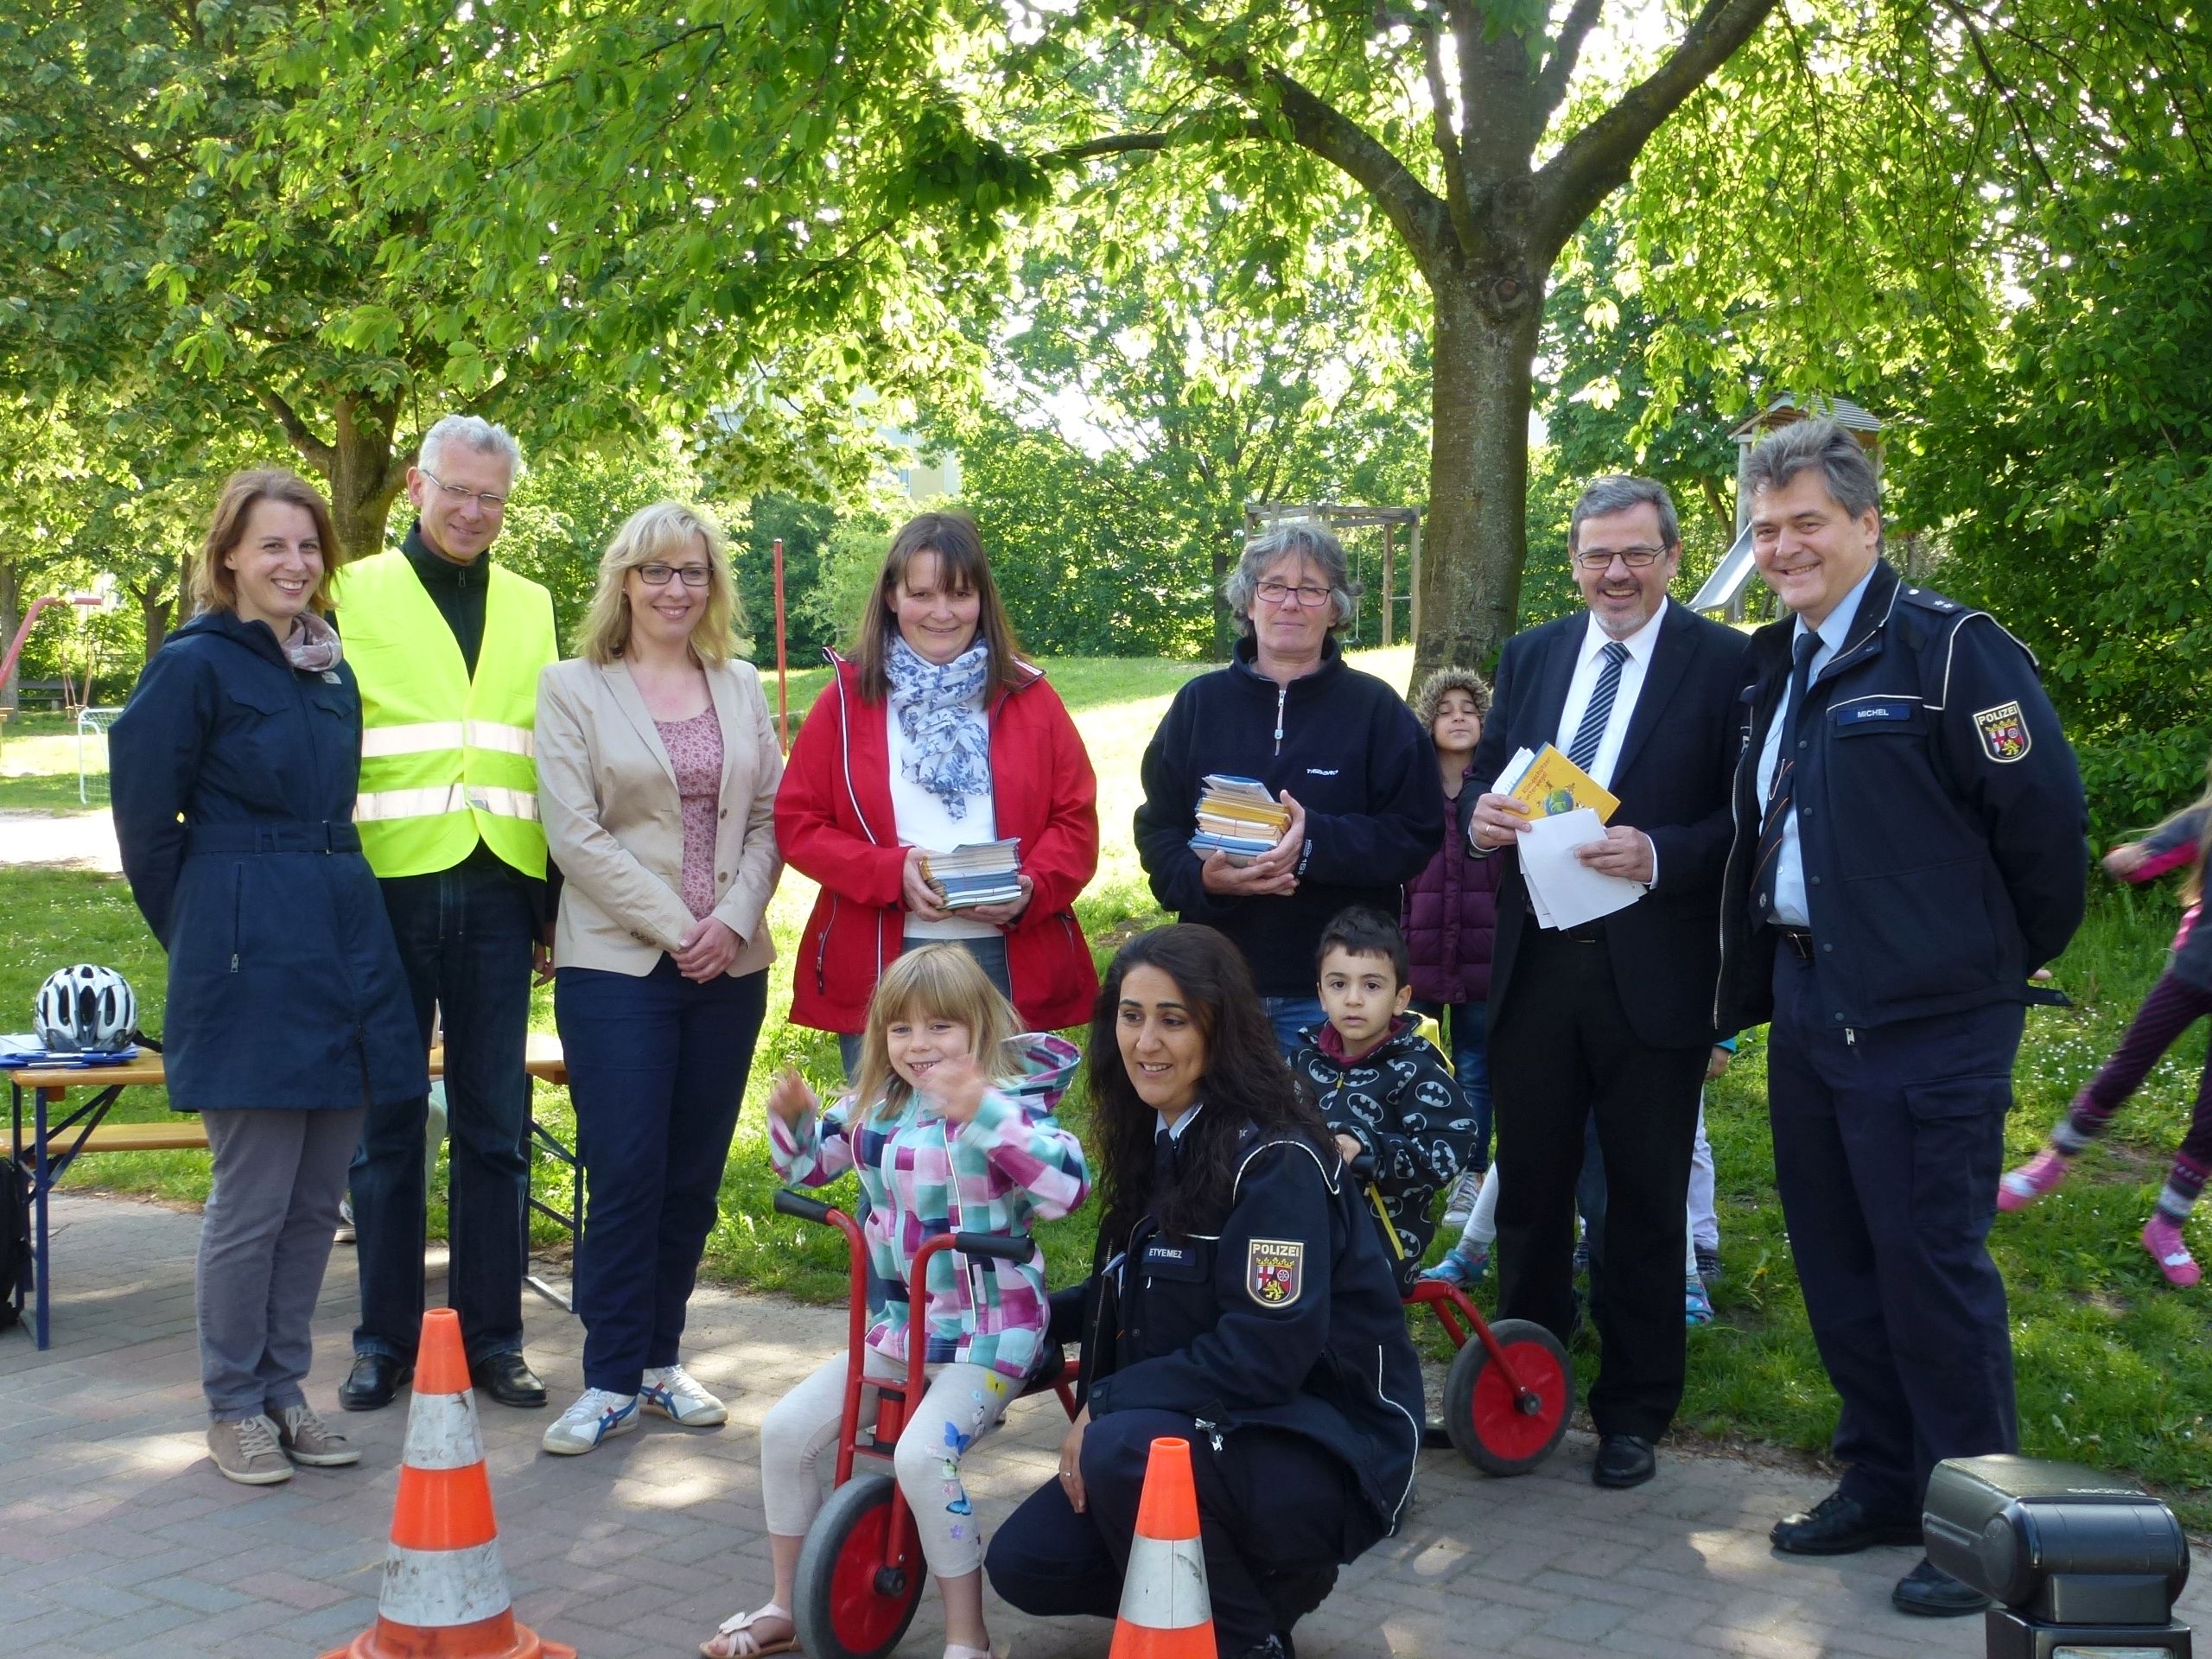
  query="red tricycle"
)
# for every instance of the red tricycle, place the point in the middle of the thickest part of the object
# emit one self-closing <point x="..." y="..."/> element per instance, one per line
<point x="861" y="1573"/>
<point x="1509" y="1392"/>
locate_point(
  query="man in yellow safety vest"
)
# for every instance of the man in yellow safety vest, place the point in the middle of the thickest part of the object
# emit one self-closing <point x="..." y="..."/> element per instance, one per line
<point x="448" y="647"/>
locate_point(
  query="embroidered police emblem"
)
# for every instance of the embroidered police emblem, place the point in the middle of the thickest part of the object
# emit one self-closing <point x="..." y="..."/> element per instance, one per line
<point x="2003" y="733"/>
<point x="1274" y="1271"/>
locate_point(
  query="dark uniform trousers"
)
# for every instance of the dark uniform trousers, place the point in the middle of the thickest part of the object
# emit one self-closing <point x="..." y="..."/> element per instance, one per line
<point x="1888" y="1143"/>
<point x="1266" y="1496"/>
<point x="1561" y="1057"/>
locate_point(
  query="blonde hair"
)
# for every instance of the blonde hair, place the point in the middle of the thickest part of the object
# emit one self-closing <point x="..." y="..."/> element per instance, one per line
<point x="214" y="584"/>
<point x="939" y="980"/>
<point x="661" y="534"/>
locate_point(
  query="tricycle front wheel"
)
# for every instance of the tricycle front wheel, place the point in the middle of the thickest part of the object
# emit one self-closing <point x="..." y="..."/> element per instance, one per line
<point x="852" y="1602"/>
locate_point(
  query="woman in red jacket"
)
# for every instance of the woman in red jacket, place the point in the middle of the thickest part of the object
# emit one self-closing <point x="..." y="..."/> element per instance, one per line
<point x="933" y="735"/>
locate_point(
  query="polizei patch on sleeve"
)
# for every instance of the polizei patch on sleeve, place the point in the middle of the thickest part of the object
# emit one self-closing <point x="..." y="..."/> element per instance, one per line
<point x="1274" y="1271"/>
<point x="2003" y="733"/>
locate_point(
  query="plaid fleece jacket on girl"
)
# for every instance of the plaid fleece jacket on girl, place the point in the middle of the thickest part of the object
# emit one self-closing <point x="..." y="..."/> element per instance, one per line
<point x="1011" y="1165"/>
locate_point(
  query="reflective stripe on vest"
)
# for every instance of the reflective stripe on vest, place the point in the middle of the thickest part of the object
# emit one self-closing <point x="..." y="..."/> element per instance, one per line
<point x="447" y="759"/>
<point x="383" y="805"/>
<point x="381" y="742"/>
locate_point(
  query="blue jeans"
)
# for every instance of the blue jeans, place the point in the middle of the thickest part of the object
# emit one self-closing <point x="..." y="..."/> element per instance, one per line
<point x="1288" y="1015"/>
<point x="1467" y="1032"/>
<point x="464" y="936"/>
<point x="656" y="1068"/>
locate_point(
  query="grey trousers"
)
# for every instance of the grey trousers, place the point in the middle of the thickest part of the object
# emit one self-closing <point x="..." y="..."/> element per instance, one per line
<point x="263" y="1244"/>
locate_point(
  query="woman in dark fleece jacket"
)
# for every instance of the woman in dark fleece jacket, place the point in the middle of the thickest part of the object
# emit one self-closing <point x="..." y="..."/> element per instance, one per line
<point x="1340" y="748"/>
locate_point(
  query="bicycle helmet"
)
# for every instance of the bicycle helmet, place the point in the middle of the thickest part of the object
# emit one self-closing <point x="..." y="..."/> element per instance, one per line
<point x="85" y="1010"/>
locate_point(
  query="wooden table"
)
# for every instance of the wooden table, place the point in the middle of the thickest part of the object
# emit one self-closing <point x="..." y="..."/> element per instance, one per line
<point x="56" y="1142"/>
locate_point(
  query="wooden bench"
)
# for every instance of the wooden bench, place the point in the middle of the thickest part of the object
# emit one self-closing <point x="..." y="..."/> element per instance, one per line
<point x="54" y="1144"/>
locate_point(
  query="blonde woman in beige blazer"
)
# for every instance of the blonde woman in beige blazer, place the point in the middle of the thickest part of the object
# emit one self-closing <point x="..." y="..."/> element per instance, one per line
<point x="657" y="771"/>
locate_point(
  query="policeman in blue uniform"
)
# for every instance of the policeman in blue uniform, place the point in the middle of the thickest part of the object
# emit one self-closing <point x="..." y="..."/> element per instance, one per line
<point x="1248" y="1308"/>
<point x="1909" y="850"/>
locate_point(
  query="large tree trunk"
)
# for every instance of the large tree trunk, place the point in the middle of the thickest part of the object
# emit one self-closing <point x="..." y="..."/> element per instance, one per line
<point x="362" y="477"/>
<point x="1476" y="540"/>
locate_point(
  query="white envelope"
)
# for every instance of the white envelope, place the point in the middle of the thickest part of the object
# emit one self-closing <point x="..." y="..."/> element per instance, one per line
<point x="1572" y="893"/>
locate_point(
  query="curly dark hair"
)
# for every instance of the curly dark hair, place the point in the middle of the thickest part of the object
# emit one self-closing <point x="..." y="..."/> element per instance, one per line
<point x="1246" y="1081"/>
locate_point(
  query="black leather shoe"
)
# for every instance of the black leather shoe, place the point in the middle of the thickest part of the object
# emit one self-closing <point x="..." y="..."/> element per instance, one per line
<point x="1840" y="1526"/>
<point x="1930" y="1592"/>
<point x="508" y="1379"/>
<point x="372" y="1381"/>
<point x="1624" y="1460"/>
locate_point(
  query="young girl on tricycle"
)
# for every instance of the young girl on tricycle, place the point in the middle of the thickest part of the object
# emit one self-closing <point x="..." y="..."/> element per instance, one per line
<point x="950" y="1127"/>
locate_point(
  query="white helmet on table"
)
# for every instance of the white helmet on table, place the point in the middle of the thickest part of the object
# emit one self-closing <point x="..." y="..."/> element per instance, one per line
<point x="85" y="1010"/>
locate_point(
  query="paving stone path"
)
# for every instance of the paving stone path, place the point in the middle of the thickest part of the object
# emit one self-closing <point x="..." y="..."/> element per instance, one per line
<point x="120" y="1539"/>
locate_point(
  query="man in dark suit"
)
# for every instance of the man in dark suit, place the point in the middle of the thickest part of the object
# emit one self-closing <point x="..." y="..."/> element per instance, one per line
<point x="1611" y="1021"/>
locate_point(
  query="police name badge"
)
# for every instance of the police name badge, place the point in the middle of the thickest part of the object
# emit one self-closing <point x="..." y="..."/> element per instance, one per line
<point x="2003" y="733"/>
<point x="1274" y="1271"/>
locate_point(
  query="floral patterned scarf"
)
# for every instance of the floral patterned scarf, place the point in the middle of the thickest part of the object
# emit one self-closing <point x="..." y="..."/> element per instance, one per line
<point x="937" y="706"/>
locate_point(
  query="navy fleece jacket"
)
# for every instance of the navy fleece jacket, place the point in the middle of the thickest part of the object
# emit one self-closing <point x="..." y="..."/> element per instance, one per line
<point x="1348" y="751"/>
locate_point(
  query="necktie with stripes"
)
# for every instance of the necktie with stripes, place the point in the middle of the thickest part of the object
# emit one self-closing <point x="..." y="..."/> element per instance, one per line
<point x="1590" y="733"/>
<point x="1781" y="789"/>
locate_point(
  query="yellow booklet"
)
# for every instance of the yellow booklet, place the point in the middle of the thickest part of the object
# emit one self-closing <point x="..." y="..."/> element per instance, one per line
<point x="1550" y="783"/>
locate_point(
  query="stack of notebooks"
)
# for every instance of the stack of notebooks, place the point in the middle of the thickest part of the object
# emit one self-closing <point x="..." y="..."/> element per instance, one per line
<point x="1570" y="811"/>
<point x="986" y="873"/>
<point x="1238" y="819"/>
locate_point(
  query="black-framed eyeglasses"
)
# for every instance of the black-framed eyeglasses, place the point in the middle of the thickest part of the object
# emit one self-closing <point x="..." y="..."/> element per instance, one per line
<point x="657" y="575"/>
<point x="1281" y="593"/>
<point x="458" y="493"/>
<point x="1636" y="558"/>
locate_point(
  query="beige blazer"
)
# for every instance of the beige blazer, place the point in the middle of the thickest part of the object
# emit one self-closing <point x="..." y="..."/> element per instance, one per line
<point x="615" y="825"/>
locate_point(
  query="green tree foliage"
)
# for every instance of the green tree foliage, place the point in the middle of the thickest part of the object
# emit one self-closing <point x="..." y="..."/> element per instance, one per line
<point x="804" y="527"/>
<point x="1132" y="418"/>
<point x="2071" y="474"/>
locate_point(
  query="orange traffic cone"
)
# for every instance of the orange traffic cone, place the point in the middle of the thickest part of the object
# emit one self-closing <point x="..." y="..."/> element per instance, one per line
<point x="445" y="1593"/>
<point x="1166" y="1612"/>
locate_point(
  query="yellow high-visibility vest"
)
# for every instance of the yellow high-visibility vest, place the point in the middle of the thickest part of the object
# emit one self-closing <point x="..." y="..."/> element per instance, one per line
<point x="446" y="760"/>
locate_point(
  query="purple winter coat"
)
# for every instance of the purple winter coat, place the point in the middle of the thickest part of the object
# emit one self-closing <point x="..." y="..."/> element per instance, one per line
<point x="1450" y="917"/>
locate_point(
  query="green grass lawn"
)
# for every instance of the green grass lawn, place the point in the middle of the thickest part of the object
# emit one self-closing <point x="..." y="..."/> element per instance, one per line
<point x="38" y="764"/>
<point x="2114" y="1364"/>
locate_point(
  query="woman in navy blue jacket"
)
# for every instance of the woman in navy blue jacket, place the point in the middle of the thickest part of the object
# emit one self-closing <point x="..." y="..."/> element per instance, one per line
<point x="233" y="774"/>
<point x="1241" y="1301"/>
<point x="1339" y="747"/>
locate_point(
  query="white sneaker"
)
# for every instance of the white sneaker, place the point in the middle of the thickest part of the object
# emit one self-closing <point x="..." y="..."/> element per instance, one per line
<point x="597" y="1414"/>
<point x="1466" y="1187"/>
<point x="672" y="1392"/>
<point x="344" y="1234"/>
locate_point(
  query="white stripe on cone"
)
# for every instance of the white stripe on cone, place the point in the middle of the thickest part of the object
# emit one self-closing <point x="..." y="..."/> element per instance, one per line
<point x="1165" y="1588"/>
<point x="441" y="1433"/>
<point x="432" y="1589"/>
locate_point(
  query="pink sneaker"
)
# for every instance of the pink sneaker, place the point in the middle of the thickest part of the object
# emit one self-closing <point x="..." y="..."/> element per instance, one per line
<point x="2163" y="1239"/>
<point x="2038" y="1178"/>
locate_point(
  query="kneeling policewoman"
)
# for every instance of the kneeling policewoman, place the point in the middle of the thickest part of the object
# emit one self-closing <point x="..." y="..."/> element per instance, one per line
<point x="1241" y="1301"/>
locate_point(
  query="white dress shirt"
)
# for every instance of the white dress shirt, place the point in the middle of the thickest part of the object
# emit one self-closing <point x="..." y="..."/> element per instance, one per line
<point x="1641" y="645"/>
<point x="1789" y="860"/>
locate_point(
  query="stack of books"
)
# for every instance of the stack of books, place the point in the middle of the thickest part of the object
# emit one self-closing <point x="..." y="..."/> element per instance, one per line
<point x="1547" y="782"/>
<point x="1238" y="819"/>
<point x="986" y="873"/>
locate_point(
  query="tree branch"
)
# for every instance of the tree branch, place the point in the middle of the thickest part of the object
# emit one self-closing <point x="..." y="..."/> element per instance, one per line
<point x="317" y="454"/>
<point x="1315" y="126"/>
<point x="2006" y="95"/>
<point x="1596" y="161"/>
<point x="1447" y="140"/>
<point x="1558" y="68"/>
<point x="1192" y="131"/>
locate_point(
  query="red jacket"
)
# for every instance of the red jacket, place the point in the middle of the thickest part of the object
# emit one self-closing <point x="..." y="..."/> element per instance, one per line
<point x="834" y="823"/>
